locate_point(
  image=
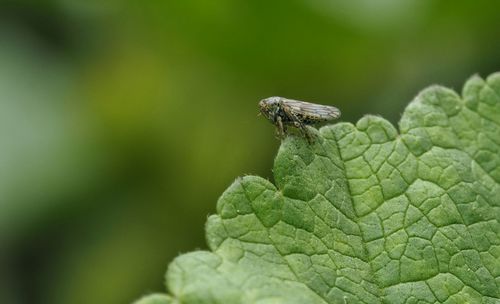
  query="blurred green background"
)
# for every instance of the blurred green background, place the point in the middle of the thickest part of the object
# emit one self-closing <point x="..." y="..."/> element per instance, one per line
<point x="121" y="122"/>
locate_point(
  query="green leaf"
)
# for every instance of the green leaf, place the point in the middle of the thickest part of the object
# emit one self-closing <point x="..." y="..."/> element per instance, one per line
<point x="365" y="215"/>
<point x="156" y="299"/>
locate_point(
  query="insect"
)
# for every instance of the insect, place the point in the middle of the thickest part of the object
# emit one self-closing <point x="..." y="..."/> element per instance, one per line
<point x="283" y="112"/>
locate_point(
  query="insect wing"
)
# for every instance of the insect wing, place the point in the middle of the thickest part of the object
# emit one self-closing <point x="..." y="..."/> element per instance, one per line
<point x="312" y="111"/>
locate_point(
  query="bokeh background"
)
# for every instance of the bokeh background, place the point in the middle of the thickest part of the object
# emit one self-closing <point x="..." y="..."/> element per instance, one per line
<point x="121" y="122"/>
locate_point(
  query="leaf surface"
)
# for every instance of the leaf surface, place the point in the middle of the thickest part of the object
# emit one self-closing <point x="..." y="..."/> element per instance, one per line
<point x="365" y="215"/>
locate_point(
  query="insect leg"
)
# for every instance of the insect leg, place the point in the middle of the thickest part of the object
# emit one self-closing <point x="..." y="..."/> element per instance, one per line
<point x="280" y="128"/>
<point x="307" y="134"/>
<point x="301" y="126"/>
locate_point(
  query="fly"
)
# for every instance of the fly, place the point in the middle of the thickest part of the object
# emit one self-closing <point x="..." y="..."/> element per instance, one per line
<point x="283" y="112"/>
